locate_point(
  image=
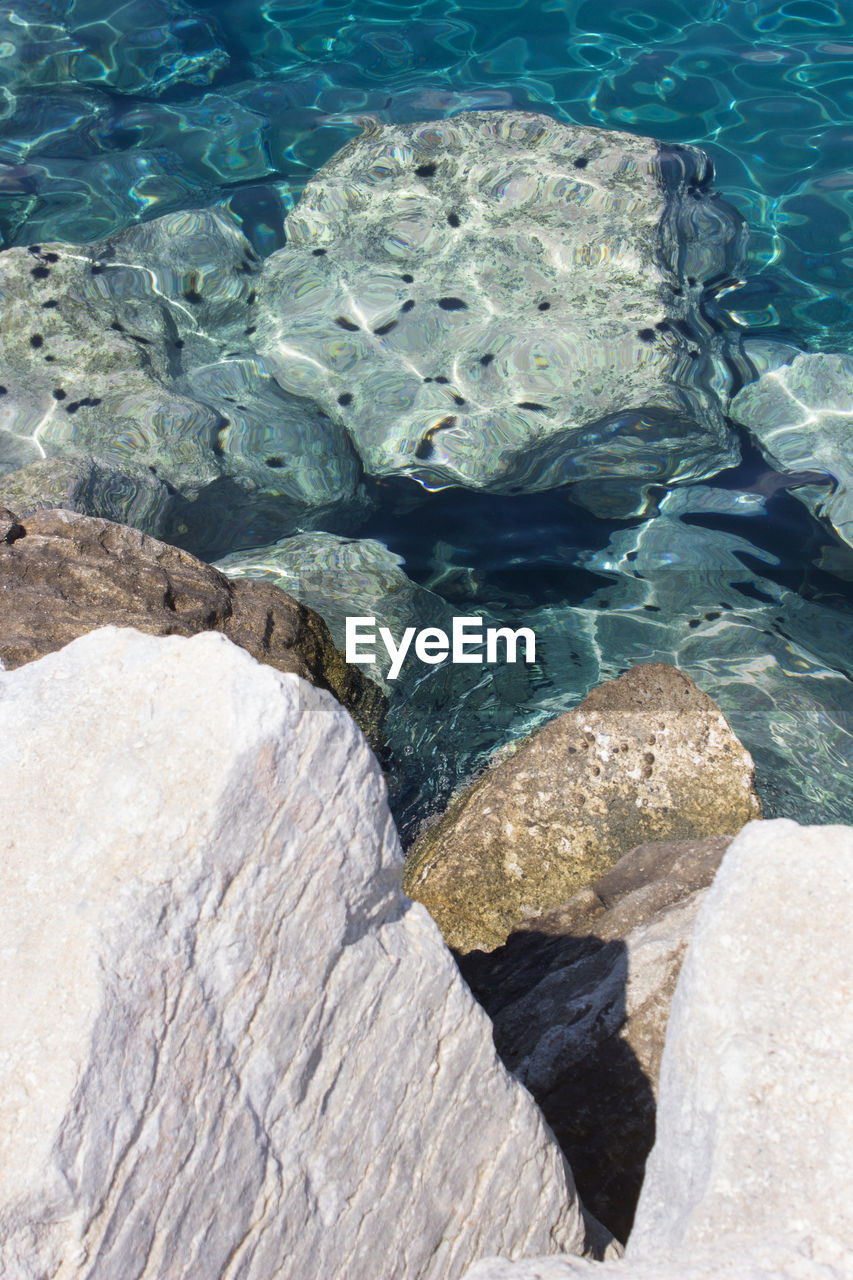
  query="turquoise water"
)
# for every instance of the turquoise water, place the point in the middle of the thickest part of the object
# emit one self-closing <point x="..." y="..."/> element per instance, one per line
<point x="114" y="114"/>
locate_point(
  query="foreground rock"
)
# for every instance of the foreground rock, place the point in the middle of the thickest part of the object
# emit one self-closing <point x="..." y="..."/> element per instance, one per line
<point x="447" y="287"/>
<point x="753" y="1161"/>
<point x="801" y="417"/>
<point x="645" y="757"/>
<point x="63" y="574"/>
<point x="227" y="1040"/>
<point x="580" y="1000"/>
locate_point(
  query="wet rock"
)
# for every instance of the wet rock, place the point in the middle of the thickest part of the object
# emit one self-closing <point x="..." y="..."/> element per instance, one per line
<point x="707" y="586"/>
<point x="137" y="349"/>
<point x="344" y="577"/>
<point x="580" y="999"/>
<point x="447" y="287"/>
<point x="88" y="485"/>
<point x="800" y="414"/>
<point x="248" y="1043"/>
<point x="645" y="757"/>
<point x="751" y="1166"/>
<point x="69" y="574"/>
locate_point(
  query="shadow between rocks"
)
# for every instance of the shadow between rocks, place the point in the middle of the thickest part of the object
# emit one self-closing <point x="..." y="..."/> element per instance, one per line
<point x="558" y="1007"/>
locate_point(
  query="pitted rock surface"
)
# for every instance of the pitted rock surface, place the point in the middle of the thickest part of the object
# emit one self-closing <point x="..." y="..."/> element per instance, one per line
<point x="502" y="301"/>
<point x="62" y="575"/>
<point x="645" y="757"/>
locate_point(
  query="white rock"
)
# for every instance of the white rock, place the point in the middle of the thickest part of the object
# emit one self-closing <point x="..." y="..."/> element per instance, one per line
<point x="229" y="1046"/>
<point x="751" y="1172"/>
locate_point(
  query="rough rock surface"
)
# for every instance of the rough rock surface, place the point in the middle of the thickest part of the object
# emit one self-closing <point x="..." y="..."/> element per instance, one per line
<point x="447" y="288"/>
<point x="580" y="1000"/>
<point x="229" y="1045"/>
<point x="138" y="349"/>
<point x="801" y="416"/>
<point x="63" y="574"/>
<point x="752" y="1164"/>
<point x="645" y="757"/>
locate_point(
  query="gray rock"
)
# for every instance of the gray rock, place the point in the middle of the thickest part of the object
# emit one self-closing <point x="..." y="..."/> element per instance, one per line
<point x="80" y="482"/>
<point x="580" y="998"/>
<point x="344" y="577"/>
<point x="645" y="757"/>
<point x="751" y="1168"/>
<point x="450" y="287"/>
<point x="125" y="350"/>
<point x="227" y="1040"/>
<point x="801" y="417"/>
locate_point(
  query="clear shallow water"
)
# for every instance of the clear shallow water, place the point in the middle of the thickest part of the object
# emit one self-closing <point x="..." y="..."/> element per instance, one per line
<point x="120" y="113"/>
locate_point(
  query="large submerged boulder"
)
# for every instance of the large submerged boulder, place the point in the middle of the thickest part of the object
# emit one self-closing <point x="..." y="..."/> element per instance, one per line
<point x="645" y="757"/>
<point x="503" y="301"/>
<point x="138" y="350"/>
<point x="62" y="575"/>
<point x="800" y="414"/>
<point x="227" y="1039"/>
<point x="753" y="1159"/>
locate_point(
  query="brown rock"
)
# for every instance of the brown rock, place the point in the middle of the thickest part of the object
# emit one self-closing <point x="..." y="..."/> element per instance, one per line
<point x="63" y="574"/>
<point x="580" y="1002"/>
<point x="645" y="757"/>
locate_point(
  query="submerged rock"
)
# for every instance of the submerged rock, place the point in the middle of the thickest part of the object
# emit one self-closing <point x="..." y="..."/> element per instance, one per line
<point x="753" y="1158"/>
<point x="344" y="577"/>
<point x="645" y="757"/>
<point x="580" y="999"/>
<point x="503" y="301"/>
<point x="801" y="416"/>
<point x="63" y="574"/>
<point x="227" y="1038"/>
<point x="136" y="350"/>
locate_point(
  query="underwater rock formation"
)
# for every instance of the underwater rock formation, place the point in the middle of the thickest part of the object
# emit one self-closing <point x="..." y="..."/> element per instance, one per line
<point x="800" y="414"/>
<point x="137" y="349"/>
<point x="63" y="574"/>
<point x="503" y="301"/>
<point x="645" y="757"/>
<point x="227" y="1040"/>
<point x="344" y="577"/>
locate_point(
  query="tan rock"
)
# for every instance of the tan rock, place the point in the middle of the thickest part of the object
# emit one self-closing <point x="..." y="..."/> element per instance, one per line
<point x="646" y="757"/>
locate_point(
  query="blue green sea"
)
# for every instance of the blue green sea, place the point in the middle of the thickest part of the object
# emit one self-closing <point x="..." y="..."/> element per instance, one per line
<point x="115" y="114"/>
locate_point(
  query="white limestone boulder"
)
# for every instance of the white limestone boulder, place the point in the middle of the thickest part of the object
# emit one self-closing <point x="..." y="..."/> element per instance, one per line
<point x="751" y="1170"/>
<point x="228" y="1044"/>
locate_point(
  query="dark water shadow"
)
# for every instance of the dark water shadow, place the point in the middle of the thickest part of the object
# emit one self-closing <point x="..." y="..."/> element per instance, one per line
<point x="558" y="1006"/>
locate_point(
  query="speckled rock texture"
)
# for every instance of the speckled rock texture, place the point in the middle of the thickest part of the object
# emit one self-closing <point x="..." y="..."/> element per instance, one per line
<point x="751" y="1169"/>
<point x="645" y="757"/>
<point x="62" y="574"/>
<point x="448" y="288"/>
<point x="228" y="1044"/>
<point x="138" y="349"/>
<point x="580" y="999"/>
<point x="801" y="417"/>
